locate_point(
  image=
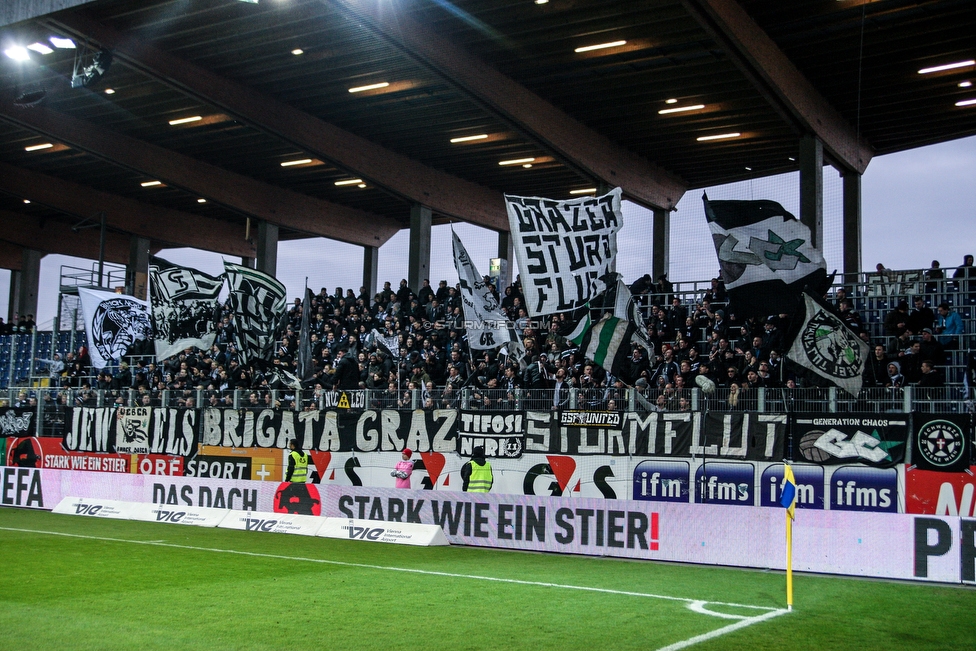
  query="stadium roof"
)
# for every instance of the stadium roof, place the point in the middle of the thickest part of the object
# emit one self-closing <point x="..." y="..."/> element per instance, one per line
<point x="253" y="87"/>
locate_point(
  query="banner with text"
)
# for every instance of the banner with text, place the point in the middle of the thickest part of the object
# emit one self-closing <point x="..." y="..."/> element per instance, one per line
<point x="131" y="430"/>
<point x="874" y="440"/>
<point x="17" y="422"/>
<point x="564" y="248"/>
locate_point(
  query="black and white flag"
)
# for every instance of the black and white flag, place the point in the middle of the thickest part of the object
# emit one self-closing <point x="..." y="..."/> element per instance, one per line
<point x="305" y="361"/>
<point x="564" y="248"/>
<point x="258" y="301"/>
<point x="826" y="348"/>
<point x="766" y="255"/>
<point x="184" y="301"/>
<point x="485" y="325"/>
<point x="113" y="323"/>
<point x="391" y="343"/>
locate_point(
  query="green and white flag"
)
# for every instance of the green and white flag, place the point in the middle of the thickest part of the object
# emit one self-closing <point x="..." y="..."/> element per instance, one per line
<point x="826" y="348"/>
<point x="607" y="343"/>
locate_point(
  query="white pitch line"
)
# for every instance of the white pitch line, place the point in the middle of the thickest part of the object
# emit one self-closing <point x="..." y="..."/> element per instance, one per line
<point x="695" y="605"/>
<point x="704" y="637"/>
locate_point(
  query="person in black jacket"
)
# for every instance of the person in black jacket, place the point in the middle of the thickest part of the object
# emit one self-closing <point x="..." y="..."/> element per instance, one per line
<point x="346" y="371"/>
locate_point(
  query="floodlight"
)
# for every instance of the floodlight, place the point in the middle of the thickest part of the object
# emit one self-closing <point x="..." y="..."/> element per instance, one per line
<point x="62" y="43"/>
<point x="17" y="53"/>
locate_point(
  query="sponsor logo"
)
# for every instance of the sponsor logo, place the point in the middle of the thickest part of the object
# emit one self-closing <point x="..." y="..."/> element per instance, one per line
<point x="940" y="493"/>
<point x="169" y="516"/>
<point x="254" y="524"/>
<point x="364" y="533"/>
<point x="856" y="488"/>
<point x="662" y="481"/>
<point x="216" y="467"/>
<point x="725" y="483"/>
<point x="942" y="443"/>
<point x="830" y="347"/>
<point x="561" y="469"/>
<point x="297" y="499"/>
<point x="87" y="509"/>
<point x="809" y="486"/>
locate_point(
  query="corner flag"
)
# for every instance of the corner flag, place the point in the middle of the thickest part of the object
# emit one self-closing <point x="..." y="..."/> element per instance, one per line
<point x="788" y="499"/>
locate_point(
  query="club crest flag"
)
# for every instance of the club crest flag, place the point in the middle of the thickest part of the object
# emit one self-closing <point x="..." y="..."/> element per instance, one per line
<point x="826" y="348"/>
<point x="564" y="248"/>
<point x="258" y="301"/>
<point x="486" y="326"/>
<point x="113" y="322"/>
<point x="184" y="301"/>
<point x="766" y="256"/>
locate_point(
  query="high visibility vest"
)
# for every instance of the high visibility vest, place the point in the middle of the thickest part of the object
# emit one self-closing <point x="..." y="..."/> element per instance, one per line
<point x="480" y="479"/>
<point x="300" y="474"/>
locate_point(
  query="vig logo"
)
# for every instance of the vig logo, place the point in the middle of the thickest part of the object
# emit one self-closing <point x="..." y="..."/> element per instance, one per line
<point x="365" y="533"/>
<point x="251" y="524"/>
<point x="87" y="509"/>
<point x="169" y="516"/>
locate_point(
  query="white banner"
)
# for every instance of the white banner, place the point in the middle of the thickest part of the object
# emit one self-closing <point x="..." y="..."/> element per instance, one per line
<point x="564" y="248"/>
<point x="113" y="323"/>
<point x="302" y="525"/>
<point x="486" y="326"/>
<point x="95" y="508"/>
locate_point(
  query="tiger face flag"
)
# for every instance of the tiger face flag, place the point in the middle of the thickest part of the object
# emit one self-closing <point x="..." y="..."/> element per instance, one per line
<point x="258" y="301"/>
<point x="564" y="248"/>
<point x="486" y="327"/>
<point x="184" y="301"/>
<point x="825" y="348"/>
<point x="113" y="322"/>
<point x="766" y="255"/>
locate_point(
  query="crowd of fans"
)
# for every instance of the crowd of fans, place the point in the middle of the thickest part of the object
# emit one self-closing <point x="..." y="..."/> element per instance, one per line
<point x="432" y="364"/>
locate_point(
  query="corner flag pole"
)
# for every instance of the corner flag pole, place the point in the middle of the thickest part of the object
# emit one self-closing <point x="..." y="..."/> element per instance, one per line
<point x="788" y="501"/>
<point x="789" y="561"/>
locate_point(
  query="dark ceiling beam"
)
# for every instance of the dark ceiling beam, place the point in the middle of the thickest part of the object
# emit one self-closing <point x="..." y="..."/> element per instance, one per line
<point x="16" y="11"/>
<point x="242" y="194"/>
<point x="780" y="82"/>
<point x="52" y="236"/>
<point x="145" y="220"/>
<point x="11" y="256"/>
<point x="399" y="175"/>
<point x="576" y="145"/>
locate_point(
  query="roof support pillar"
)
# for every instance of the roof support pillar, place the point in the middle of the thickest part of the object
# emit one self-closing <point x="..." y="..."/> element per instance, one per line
<point x="371" y="270"/>
<point x="661" y="243"/>
<point x="811" y="187"/>
<point x="267" y="247"/>
<point x="852" y="225"/>
<point x="137" y="271"/>
<point x="14" y="296"/>
<point x="24" y="285"/>
<point x="419" y="269"/>
<point x="506" y="251"/>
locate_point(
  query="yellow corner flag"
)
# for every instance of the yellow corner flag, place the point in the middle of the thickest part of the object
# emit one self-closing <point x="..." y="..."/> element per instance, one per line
<point x="788" y="501"/>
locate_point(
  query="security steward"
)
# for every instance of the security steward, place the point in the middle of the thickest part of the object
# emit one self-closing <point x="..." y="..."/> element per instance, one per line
<point x="297" y="464"/>
<point x="476" y="474"/>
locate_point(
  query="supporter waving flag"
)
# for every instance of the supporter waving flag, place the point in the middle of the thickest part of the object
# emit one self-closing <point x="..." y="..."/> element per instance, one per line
<point x="113" y="323"/>
<point x="258" y="301"/>
<point x="766" y="256"/>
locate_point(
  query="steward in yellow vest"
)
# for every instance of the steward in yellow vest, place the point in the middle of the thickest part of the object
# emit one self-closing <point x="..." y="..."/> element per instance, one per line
<point x="476" y="474"/>
<point x="297" y="464"/>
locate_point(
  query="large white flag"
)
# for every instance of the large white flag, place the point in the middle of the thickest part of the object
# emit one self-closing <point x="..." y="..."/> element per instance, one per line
<point x="258" y="301"/>
<point x="826" y="348"/>
<point x="113" y="323"/>
<point x="564" y="248"/>
<point x="485" y="324"/>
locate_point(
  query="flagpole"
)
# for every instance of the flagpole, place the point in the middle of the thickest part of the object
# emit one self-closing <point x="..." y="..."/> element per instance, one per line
<point x="789" y="561"/>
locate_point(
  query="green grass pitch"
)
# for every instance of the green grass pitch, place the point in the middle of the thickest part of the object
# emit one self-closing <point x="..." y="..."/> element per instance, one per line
<point x="76" y="583"/>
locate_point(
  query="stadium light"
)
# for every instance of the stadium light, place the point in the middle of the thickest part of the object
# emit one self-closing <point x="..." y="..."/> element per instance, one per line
<point x="17" y="53"/>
